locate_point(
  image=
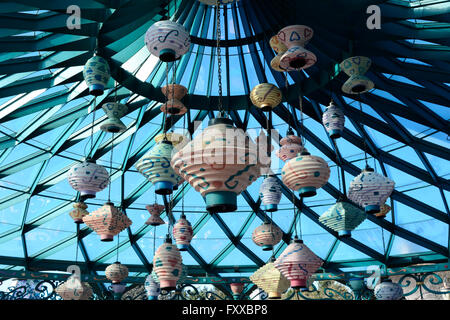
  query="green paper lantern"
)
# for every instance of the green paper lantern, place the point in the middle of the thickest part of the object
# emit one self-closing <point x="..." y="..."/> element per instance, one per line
<point x="343" y="217"/>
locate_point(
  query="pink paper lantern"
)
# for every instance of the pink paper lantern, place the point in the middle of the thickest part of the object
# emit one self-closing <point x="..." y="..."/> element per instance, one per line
<point x="183" y="233"/>
<point x="290" y="146"/>
<point x="267" y="235"/>
<point x="297" y="263"/>
<point x="116" y="272"/>
<point x="88" y="178"/>
<point x="155" y="212"/>
<point x="167" y="265"/>
<point x="296" y="57"/>
<point x="174" y="93"/>
<point x="237" y="289"/>
<point x="333" y="120"/>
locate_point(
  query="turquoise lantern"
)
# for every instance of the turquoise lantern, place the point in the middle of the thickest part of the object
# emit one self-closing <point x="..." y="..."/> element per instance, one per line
<point x="343" y="217"/>
<point x="96" y="73"/>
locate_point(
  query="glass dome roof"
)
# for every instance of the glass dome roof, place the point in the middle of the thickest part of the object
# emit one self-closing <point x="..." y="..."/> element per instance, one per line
<point x="46" y="116"/>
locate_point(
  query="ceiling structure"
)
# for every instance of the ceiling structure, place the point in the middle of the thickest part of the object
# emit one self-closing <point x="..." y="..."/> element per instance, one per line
<point x="46" y="115"/>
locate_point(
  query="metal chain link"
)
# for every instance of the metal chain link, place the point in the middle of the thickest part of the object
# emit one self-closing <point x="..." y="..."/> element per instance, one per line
<point x="219" y="58"/>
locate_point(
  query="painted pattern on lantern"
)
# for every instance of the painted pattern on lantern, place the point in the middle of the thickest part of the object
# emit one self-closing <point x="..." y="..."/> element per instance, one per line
<point x="290" y="146"/>
<point x="88" y="178"/>
<point x="279" y="49"/>
<point x="265" y="96"/>
<point x="116" y="272"/>
<point x="333" y="119"/>
<point x="167" y="265"/>
<point x="78" y="212"/>
<point x="388" y="290"/>
<point x="152" y="288"/>
<point x="356" y="67"/>
<point x="296" y="57"/>
<point x="74" y="289"/>
<point x="174" y="93"/>
<point x="270" y="193"/>
<point x="343" y="217"/>
<point x="269" y="279"/>
<point x="155" y="212"/>
<point x="267" y="235"/>
<point x="183" y="233"/>
<point x="96" y="73"/>
<point x="114" y="111"/>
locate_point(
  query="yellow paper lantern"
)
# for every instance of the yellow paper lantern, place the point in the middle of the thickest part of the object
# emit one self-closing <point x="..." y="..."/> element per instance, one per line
<point x="265" y="96"/>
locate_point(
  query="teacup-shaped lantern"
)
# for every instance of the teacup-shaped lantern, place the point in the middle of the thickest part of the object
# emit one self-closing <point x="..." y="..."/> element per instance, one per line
<point x="333" y="119"/>
<point x="114" y="111"/>
<point x="291" y="145"/>
<point x="96" y="73"/>
<point x="279" y="49"/>
<point x="155" y="210"/>
<point x="356" y="67"/>
<point x="167" y="40"/>
<point x="265" y="96"/>
<point x="267" y="235"/>
<point x="78" y="212"/>
<point x="174" y="93"/>
<point x="88" y="178"/>
<point x="296" y="57"/>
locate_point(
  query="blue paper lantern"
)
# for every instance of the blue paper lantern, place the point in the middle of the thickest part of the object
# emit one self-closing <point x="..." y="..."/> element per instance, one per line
<point x="343" y="217"/>
<point x="96" y="73"/>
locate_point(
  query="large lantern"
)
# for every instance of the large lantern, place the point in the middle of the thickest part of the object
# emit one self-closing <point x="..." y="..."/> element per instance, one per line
<point x="107" y="221"/>
<point x="174" y="93"/>
<point x="343" y="217"/>
<point x="114" y="111"/>
<point x="296" y="57"/>
<point x="155" y="212"/>
<point x="96" y="73"/>
<point x="167" y="265"/>
<point x="270" y="193"/>
<point x="265" y="96"/>
<point x="167" y="40"/>
<point x="236" y="288"/>
<point x="182" y="233"/>
<point x="305" y="173"/>
<point x="183" y="276"/>
<point x="219" y="163"/>
<point x="290" y="146"/>
<point x="297" y="263"/>
<point x="116" y="272"/>
<point x="279" y="49"/>
<point x="269" y="279"/>
<point x="356" y="67"/>
<point x="267" y="235"/>
<point x="155" y="166"/>
<point x="370" y="190"/>
<point x="333" y="119"/>
<point x="74" y="289"/>
<point x="78" y="212"/>
<point x="88" y="178"/>
<point x="388" y="290"/>
<point x="152" y="288"/>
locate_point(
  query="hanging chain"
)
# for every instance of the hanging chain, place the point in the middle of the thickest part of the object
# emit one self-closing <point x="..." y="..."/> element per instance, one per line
<point x="110" y="167"/>
<point x="339" y="176"/>
<point x="92" y="128"/>
<point x="295" y="213"/>
<point x="167" y="102"/>
<point x="78" y="243"/>
<point x="286" y="84"/>
<point x="362" y="129"/>
<point x="219" y="59"/>
<point x="117" y="249"/>
<point x="300" y="99"/>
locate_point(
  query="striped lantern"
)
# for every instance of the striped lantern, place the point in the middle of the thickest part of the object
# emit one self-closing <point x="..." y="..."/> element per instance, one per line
<point x="219" y="163"/>
<point x="279" y="49"/>
<point x="296" y="57"/>
<point x="167" y="265"/>
<point x="88" y="178"/>
<point x="182" y="233"/>
<point x="236" y="288"/>
<point x="290" y="146"/>
<point x="269" y="279"/>
<point x="152" y="288"/>
<point x="183" y="276"/>
<point x="74" y="289"/>
<point x="96" y="74"/>
<point x="167" y="40"/>
<point x="178" y="140"/>
<point x="155" y="166"/>
<point x="116" y="272"/>
<point x="370" y="190"/>
<point x="267" y="235"/>
<point x="107" y="221"/>
<point x="265" y="96"/>
<point x="356" y="67"/>
<point x="333" y="119"/>
<point x="343" y="217"/>
<point x="155" y="211"/>
<point x="297" y="263"/>
<point x="114" y="111"/>
<point x="174" y="93"/>
<point x="384" y="210"/>
<point x="305" y="174"/>
<point x="78" y="212"/>
<point x="388" y="290"/>
<point x="270" y="193"/>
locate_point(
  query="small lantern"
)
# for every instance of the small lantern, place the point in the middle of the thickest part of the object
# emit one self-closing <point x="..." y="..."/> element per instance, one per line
<point x="270" y="193"/>
<point x="107" y="221"/>
<point x="79" y="212"/>
<point x="114" y="111"/>
<point x="297" y="263"/>
<point x="384" y="210"/>
<point x="296" y="57"/>
<point x="279" y="49"/>
<point x="118" y="289"/>
<point x="305" y="173"/>
<point x="152" y="288"/>
<point x="167" y="265"/>
<point x="237" y="289"/>
<point x="155" y="166"/>
<point x="88" y="178"/>
<point x="343" y="217"/>
<point x="174" y="93"/>
<point x="290" y="146"/>
<point x="265" y="96"/>
<point x="167" y="40"/>
<point x="269" y="279"/>
<point x="267" y="235"/>
<point x="388" y="290"/>
<point x="116" y="272"/>
<point x="178" y="140"/>
<point x="96" y="73"/>
<point x="182" y="233"/>
<point x="356" y="67"/>
<point x="74" y="289"/>
<point x="370" y="189"/>
<point x="333" y="119"/>
<point x="155" y="211"/>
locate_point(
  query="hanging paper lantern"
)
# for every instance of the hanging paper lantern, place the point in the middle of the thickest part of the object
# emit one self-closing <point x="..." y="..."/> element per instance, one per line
<point x="74" y="289"/>
<point x="155" y="166"/>
<point x="356" y="67"/>
<point x="183" y="276"/>
<point x="96" y="73"/>
<point x="269" y="279"/>
<point x="219" y="163"/>
<point x="388" y="290"/>
<point x="182" y="233"/>
<point x="296" y="57"/>
<point x="384" y="210"/>
<point x="79" y="212"/>
<point x="118" y="289"/>
<point x="116" y="272"/>
<point x="174" y="93"/>
<point x="343" y="217"/>
<point x="178" y="140"/>
<point x="267" y="235"/>
<point x="214" y="2"/>
<point x="88" y="178"/>
<point x="152" y="288"/>
<point x="155" y="211"/>
<point x="290" y="146"/>
<point x="305" y="173"/>
<point x="279" y="49"/>
<point x="270" y="193"/>
<point x="107" y="221"/>
<point x="167" y="265"/>
<point x="114" y="111"/>
<point x="167" y="40"/>
<point x="370" y="189"/>
<point x="297" y="263"/>
<point x="237" y="289"/>
<point x="333" y="119"/>
<point x="265" y="96"/>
